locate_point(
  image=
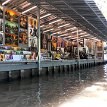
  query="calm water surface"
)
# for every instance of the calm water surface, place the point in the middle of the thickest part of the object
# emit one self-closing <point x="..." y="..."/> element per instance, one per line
<point x="58" y="90"/>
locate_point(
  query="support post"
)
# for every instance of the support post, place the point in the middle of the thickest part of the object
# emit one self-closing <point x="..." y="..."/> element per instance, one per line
<point x="39" y="39"/>
<point x="49" y="43"/>
<point x="103" y="51"/>
<point x="95" y="52"/>
<point x="78" y="47"/>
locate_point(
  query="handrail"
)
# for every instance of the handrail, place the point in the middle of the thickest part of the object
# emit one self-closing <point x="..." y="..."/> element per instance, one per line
<point x="20" y="65"/>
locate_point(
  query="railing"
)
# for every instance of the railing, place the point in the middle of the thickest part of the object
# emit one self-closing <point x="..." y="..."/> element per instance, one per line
<point x="57" y="63"/>
<point x="20" y="65"/>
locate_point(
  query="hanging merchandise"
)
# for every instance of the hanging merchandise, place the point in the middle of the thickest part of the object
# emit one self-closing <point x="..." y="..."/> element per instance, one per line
<point x="32" y="32"/>
<point x="69" y="47"/>
<point x="54" y="43"/>
<point x="23" y="36"/>
<point x="1" y="12"/>
<point x="99" y="49"/>
<point x="11" y="27"/>
<point x="65" y="43"/>
<point x="62" y="43"/>
<point x="23" y="32"/>
<point x="1" y="26"/>
<point x="44" y="41"/>
<point x="1" y="19"/>
<point x="23" y="22"/>
<point x="1" y="38"/>
<point x="59" y="42"/>
<point x="90" y="44"/>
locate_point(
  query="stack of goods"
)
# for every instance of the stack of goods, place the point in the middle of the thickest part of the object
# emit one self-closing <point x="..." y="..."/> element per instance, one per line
<point x="11" y="28"/>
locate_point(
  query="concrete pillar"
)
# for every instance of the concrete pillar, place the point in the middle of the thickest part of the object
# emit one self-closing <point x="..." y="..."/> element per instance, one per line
<point x="26" y="73"/>
<point x="50" y="70"/>
<point x="44" y="71"/>
<point x="4" y="75"/>
<point x="72" y="67"/>
<point x="83" y="66"/>
<point x="77" y="66"/>
<point x="35" y="72"/>
<point x="88" y="65"/>
<point x="65" y="68"/>
<point x="14" y="75"/>
<point x="69" y="68"/>
<point x="80" y="66"/>
<point x="61" y="69"/>
<point x="56" y="69"/>
<point x="93" y="64"/>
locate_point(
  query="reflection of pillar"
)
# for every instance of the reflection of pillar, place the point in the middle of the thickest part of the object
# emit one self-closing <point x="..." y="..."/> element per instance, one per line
<point x="39" y="37"/>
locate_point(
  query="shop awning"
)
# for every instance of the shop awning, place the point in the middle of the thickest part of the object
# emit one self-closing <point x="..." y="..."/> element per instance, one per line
<point x="83" y="14"/>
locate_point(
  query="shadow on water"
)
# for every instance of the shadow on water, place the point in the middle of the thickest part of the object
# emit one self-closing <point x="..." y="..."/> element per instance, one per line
<point x="48" y="91"/>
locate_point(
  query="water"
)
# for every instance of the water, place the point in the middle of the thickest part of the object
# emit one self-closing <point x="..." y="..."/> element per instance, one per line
<point x="59" y="90"/>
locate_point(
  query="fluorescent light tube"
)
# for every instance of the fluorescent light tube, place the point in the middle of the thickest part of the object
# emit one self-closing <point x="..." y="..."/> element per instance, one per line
<point x="53" y="33"/>
<point x="29" y="9"/>
<point x="84" y="35"/>
<point x="63" y="25"/>
<point x="45" y="16"/>
<point x="48" y="30"/>
<point x="55" y="21"/>
<point x="68" y="37"/>
<point x="42" y="25"/>
<point x="70" y="29"/>
<point x="5" y="2"/>
<point x="63" y="34"/>
<point x="56" y="33"/>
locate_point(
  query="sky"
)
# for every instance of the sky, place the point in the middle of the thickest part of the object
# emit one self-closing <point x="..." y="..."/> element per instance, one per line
<point x="102" y="5"/>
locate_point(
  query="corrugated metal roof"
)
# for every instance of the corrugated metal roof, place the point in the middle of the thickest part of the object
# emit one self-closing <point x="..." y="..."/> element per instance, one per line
<point x="80" y="13"/>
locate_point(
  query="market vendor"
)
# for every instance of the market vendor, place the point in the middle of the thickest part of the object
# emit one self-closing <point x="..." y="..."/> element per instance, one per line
<point x="33" y="56"/>
<point x="57" y="55"/>
<point x="11" y="55"/>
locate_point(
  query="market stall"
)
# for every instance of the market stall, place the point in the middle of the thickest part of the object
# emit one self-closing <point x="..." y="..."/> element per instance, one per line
<point x="17" y="34"/>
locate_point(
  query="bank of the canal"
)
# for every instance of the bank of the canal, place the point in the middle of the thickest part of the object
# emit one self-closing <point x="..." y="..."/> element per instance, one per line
<point x="25" y="69"/>
<point x="79" y="88"/>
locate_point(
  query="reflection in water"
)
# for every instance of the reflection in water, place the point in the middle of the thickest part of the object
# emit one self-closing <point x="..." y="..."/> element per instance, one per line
<point x="61" y="90"/>
<point x="39" y="93"/>
<point x="95" y="95"/>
